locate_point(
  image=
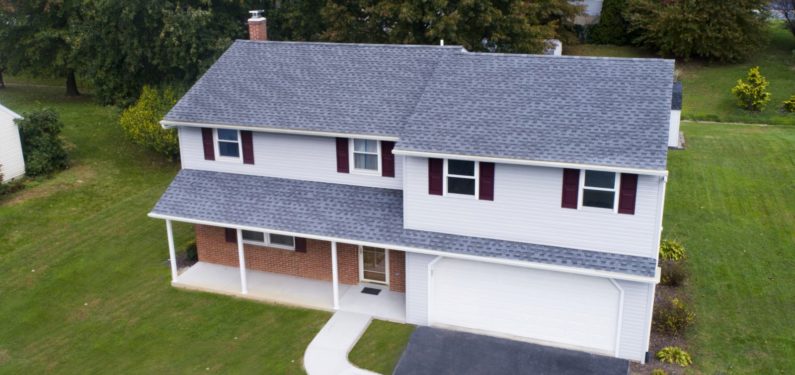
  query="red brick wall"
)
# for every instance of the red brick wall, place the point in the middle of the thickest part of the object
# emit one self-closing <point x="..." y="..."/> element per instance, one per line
<point x="212" y="247"/>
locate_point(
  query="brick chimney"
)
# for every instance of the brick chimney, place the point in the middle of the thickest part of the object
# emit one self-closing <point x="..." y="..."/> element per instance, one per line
<point x="257" y="26"/>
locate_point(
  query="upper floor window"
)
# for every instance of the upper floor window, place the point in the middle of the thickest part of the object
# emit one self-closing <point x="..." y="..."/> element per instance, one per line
<point x="599" y="189"/>
<point x="366" y="156"/>
<point x="229" y="145"/>
<point x="269" y="239"/>
<point x="460" y="177"/>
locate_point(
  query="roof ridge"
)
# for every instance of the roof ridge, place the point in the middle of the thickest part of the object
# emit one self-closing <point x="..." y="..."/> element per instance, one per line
<point x="431" y="46"/>
<point x="572" y="57"/>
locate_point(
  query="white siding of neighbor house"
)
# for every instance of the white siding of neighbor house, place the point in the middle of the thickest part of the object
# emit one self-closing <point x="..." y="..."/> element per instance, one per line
<point x="12" y="164"/>
<point x="526" y="208"/>
<point x="673" y="128"/>
<point x="298" y="157"/>
<point x="417" y="287"/>
<point x="635" y="320"/>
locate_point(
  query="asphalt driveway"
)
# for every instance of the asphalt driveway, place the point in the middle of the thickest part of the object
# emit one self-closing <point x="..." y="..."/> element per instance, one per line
<point x="437" y="351"/>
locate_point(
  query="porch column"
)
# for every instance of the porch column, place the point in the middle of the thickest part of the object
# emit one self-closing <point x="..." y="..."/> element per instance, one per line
<point x="242" y="260"/>
<point x="172" y="254"/>
<point x="335" y="278"/>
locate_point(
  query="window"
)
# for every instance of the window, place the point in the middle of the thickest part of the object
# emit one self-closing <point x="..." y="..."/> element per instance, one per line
<point x="461" y="177"/>
<point x="228" y="141"/>
<point x="269" y="239"/>
<point x="366" y="156"/>
<point x="599" y="189"/>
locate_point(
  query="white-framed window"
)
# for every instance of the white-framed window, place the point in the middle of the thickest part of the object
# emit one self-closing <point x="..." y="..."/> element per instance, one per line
<point x="268" y="239"/>
<point x="228" y="146"/>
<point x="599" y="190"/>
<point x="365" y="156"/>
<point x="461" y="178"/>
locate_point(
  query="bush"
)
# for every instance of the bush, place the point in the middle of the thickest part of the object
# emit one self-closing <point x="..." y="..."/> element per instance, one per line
<point x="671" y="250"/>
<point x="672" y="316"/>
<point x="751" y="94"/>
<point x="42" y="147"/>
<point x="725" y="31"/>
<point x="191" y="254"/>
<point x="673" y="273"/>
<point x="658" y="371"/>
<point x="789" y="104"/>
<point x="141" y="121"/>
<point x="612" y="28"/>
<point x="674" y="354"/>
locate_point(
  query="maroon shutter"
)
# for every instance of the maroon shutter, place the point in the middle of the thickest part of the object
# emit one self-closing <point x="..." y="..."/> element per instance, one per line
<point x="626" y="197"/>
<point x="300" y="244"/>
<point x="248" y="146"/>
<point x="231" y="235"/>
<point x="342" y="155"/>
<point x="387" y="159"/>
<point x="571" y="188"/>
<point x="486" y="181"/>
<point x="435" y="170"/>
<point x="207" y="140"/>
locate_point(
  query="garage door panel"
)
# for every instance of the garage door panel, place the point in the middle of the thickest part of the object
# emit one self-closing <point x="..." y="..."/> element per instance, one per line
<point x="570" y="310"/>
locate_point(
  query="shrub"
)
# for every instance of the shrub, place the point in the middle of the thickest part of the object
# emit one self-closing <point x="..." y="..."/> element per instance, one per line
<point x="752" y="93"/>
<point x="612" y="28"/>
<point x="674" y="354"/>
<point x="191" y="254"/>
<point x="658" y="371"/>
<point x="672" y="316"/>
<point x="671" y="250"/>
<point x="42" y="147"/>
<point x="141" y="121"/>
<point x="673" y="273"/>
<point x="789" y="104"/>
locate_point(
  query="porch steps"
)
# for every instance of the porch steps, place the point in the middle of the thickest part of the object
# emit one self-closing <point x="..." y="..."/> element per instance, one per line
<point x="327" y="354"/>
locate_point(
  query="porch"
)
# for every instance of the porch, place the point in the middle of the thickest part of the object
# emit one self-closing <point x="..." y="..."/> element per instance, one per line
<point x="293" y="290"/>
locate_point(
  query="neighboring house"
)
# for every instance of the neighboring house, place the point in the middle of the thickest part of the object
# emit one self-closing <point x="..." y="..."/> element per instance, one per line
<point x="506" y="194"/>
<point x="12" y="164"/>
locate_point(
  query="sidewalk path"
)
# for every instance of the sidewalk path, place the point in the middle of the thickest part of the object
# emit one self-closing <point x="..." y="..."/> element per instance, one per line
<point x="327" y="354"/>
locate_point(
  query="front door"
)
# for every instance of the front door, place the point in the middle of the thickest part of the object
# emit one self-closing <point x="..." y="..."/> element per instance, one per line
<point x="373" y="265"/>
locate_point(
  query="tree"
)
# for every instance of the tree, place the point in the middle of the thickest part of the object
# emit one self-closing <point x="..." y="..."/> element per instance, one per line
<point x="141" y="121"/>
<point x="478" y="25"/>
<point x="42" y="147"/>
<point x="45" y="38"/>
<point x="787" y="10"/>
<point x="752" y="93"/>
<point x="612" y="27"/>
<point x="725" y="31"/>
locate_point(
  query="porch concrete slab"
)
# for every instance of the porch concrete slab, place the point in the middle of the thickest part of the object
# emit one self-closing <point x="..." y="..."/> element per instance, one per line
<point x="387" y="305"/>
<point x="327" y="354"/>
<point x="438" y="351"/>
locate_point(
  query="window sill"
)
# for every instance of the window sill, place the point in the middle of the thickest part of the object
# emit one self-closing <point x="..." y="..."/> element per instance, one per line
<point x="365" y="172"/>
<point x="461" y="196"/>
<point x="269" y="246"/>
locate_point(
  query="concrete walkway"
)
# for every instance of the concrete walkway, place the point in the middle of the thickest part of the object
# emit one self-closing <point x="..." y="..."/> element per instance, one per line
<point x="327" y="354"/>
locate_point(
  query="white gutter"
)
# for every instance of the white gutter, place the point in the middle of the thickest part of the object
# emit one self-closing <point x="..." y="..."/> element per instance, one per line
<point x="170" y="124"/>
<point x="539" y="163"/>
<point x="508" y="262"/>
<point x="13" y="114"/>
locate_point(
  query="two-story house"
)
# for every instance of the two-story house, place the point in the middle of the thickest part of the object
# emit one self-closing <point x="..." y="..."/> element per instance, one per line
<point x="507" y="194"/>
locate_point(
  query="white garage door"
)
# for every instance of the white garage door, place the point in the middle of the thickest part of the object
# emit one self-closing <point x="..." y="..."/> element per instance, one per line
<point x="549" y="307"/>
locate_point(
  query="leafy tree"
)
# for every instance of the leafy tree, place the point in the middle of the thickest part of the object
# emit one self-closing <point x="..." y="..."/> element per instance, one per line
<point x="752" y="93"/>
<point x="141" y="121"/>
<point x="478" y="25"/>
<point x="612" y="27"/>
<point x="787" y="10"/>
<point x="725" y="31"/>
<point x="42" y="147"/>
<point x="45" y="39"/>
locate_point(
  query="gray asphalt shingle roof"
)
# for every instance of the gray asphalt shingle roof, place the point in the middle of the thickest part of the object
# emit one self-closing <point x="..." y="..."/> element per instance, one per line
<point x="355" y="213"/>
<point x="603" y="111"/>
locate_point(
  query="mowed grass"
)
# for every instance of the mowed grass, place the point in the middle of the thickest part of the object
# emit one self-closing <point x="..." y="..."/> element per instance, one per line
<point x="731" y="201"/>
<point x="381" y="346"/>
<point x="84" y="283"/>
<point x="707" y="87"/>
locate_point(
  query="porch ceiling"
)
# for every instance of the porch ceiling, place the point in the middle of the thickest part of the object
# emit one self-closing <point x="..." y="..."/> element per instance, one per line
<point x="355" y="213"/>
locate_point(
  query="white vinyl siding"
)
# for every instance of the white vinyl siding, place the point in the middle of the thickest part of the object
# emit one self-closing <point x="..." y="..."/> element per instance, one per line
<point x="12" y="164"/>
<point x="527" y="208"/>
<point x="417" y="287"/>
<point x="299" y="157"/>
<point x="635" y="320"/>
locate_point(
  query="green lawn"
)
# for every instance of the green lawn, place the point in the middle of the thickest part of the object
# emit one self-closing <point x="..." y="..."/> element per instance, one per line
<point x="84" y="283"/>
<point x="381" y="346"/>
<point x="707" y="87"/>
<point x="731" y="201"/>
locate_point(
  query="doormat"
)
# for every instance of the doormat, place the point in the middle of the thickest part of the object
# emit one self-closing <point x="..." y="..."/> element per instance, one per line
<point x="372" y="291"/>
